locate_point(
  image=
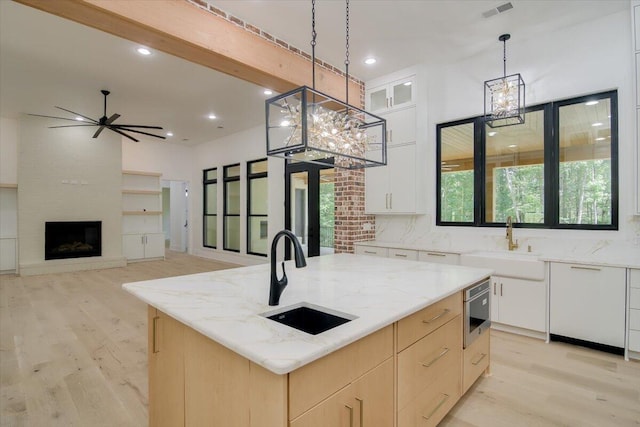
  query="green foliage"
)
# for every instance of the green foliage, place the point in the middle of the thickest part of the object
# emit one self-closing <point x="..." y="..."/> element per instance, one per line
<point x="456" y="192"/>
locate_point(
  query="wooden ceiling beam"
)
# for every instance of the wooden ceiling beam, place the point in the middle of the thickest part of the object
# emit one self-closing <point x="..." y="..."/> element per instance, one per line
<point x="182" y="29"/>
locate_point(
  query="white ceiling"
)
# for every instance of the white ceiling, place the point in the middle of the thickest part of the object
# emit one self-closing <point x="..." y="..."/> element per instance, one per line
<point x="47" y="61"/>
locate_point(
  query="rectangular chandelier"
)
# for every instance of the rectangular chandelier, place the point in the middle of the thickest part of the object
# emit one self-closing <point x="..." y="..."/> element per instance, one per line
<point x="504" y="103"/>
<point x="310" y="126"/>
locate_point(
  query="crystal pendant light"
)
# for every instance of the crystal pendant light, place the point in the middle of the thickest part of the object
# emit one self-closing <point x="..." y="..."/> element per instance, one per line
<point x="504" y="96"/>
<point x="310" y="126"/>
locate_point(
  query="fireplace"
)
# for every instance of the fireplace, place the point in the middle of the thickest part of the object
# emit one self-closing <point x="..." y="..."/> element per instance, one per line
<point x="72" y="239"/>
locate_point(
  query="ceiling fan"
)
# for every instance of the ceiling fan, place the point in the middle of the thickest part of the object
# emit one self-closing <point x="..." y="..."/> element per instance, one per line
<point x="104" y="122"/>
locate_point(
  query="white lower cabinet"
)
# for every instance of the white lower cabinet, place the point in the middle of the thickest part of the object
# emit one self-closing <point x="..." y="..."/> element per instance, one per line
<point x="407" y="254"/>
<point x="439" y="257"/>
<point x="588" y="303"/>
<point x="9" y="254"/>
<point x="518" y="302"/>
<point x="143" y="246"/>
<point x="372" y="251"/>
<point x="634" y="309"/>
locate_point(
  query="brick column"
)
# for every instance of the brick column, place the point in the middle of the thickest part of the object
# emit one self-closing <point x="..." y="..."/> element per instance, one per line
<point x="349" y="211"/>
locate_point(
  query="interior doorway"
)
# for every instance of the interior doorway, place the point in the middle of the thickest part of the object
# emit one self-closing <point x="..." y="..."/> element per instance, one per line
<point x="175" y="215"/>
<point x="309" y="206"/>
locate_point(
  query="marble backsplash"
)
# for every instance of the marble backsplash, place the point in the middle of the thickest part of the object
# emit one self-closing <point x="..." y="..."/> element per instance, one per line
<point x="419" y="231"/>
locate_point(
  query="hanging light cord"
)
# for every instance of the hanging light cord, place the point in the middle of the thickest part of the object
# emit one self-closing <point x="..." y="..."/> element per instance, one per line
<point x="504" y="58"/>
<point x="313" y="42"/>
<point x="346" y="60"/>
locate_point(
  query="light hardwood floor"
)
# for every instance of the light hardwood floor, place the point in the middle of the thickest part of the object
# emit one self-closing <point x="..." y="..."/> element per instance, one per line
<point x="73" y="353"/>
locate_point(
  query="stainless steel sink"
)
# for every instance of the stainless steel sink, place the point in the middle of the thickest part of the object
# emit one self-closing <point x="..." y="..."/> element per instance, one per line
<point x="309" y="318"/>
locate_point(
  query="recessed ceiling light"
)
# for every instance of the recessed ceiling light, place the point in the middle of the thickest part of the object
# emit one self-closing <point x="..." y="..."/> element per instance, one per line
<point x="143" y="51"/>
<point x="268" y="92"/>
<point x="169" y="133"/>
<point x="492" y="133"/>
<point x="591" y="103"/>
<point x="596" y="124"/>
<point x="601" y="138"/>
<point x="212" y="116"/>
<point x="370" y="61"/>
<point x="513" y="146"/>
<point x="80" y="119"/>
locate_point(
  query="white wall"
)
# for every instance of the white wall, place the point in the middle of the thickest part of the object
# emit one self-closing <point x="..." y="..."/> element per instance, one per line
<point x="586" y="58"/>
<point x="66" y="175"/>
<point x="8" y="151"/>
<point x="237" y="148"/>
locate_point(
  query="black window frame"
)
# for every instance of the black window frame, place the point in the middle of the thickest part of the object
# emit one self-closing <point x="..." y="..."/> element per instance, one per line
<point x="206" y="182"/>
<point x="225" y="214"/>
<point x="551" y="167"/>
<point x="250" y="177"/>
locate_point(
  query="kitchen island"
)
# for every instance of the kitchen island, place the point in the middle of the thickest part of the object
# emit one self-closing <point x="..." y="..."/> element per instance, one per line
<point x="215" y="360"/>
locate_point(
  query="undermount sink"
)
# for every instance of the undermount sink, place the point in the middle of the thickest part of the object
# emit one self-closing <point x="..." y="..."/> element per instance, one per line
<point x="525" y="265"/>
<point x="309" y="318"/>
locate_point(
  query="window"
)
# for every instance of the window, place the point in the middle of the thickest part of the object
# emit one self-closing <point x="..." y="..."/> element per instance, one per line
<point x="210" y="211"/>
<point x="231" y="228"/>
<point x="557" y="170"/>
<point x="257" y="207"/>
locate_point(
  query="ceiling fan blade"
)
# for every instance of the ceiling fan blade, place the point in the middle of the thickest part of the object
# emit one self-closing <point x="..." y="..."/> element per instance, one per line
<point x="137" y="131"/>
<point x="69" y="126"/>
<point x="95" y="135"/>
<point x="112" y="119"/>
<point x="139" y="126"/>
<point x="72" y="112"/>
<point x="53" y="117"/>
<point x="123" y="134"/>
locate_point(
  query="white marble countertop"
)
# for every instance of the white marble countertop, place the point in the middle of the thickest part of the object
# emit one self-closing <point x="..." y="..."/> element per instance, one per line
<point x="608" y="255"/>
<point x="226" y="305"/>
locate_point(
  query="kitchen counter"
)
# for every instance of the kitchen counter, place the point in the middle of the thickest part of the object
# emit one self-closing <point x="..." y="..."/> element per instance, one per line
<point x="225" y="305"/>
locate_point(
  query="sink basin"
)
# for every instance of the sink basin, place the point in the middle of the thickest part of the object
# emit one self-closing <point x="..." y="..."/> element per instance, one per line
<point x="309" y="318"/>
<point x="524" y="265"/>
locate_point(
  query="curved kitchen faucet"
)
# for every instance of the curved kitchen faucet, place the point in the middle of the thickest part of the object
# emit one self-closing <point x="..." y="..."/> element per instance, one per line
<point x="278" y="285"/>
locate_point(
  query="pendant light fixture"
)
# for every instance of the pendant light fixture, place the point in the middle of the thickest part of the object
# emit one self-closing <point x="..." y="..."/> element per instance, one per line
<point x="504" y="96"/>
<point x="309" y="126"/>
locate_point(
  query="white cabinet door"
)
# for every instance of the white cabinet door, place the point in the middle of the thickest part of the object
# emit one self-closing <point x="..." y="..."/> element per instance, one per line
<point x="401" y="126"/>
<point x="376" y="189"/>
<point x="588" y="303"/>
<point x="386" y="97"/>
<point x="9" y="254"/>
<point x="133" y="246"/>
<point x="439" y="257"/>
<point x="521" y="303"/>
<point x="402" y="179"/>
<point x="154" y="245"/>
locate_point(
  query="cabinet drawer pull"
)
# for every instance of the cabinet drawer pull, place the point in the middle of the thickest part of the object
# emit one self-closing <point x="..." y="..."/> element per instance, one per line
<point x="435" y="359"/>
<point x="155" y="348"/>
<point x="350" y="408"/>
<point x="436" y="254"/>
<point x="361" y="403"/>
<point x="433" y="319"/>
<point x="477" y="362"/>
<point x="401" y="255"/>
<point x="370" y="252"/>
<point x="446" y="396"/>
<point x="500" y="289"/>
<point x="577" y="267"/>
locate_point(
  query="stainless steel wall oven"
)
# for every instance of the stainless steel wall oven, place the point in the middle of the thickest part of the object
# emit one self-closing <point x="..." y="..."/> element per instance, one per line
<point x="477" y="311"/>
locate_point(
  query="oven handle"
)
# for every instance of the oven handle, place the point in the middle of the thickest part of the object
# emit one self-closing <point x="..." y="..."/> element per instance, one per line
<point x="475" y="297"/>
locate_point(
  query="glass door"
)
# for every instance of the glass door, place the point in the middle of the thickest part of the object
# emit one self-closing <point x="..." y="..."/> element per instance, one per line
<point x="309" y="207"/>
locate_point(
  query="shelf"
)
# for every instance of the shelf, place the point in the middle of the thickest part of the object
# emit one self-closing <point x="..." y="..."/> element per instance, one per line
<point x="141" y="212"/>
<point x="149" y="192"/>
<point x="141" y="173"/>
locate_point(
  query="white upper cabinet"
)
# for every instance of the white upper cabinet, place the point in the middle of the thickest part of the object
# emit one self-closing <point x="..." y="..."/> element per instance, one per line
<point x="391" y="96"/>
<point x="635" y="42"/>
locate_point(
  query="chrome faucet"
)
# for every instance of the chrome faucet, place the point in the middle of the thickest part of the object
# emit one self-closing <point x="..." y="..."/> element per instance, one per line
<point x="509" y="237"/>
<point x="278" y="285"/>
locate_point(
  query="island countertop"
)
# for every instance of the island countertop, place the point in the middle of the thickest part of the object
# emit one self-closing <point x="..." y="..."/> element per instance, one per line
<point x="225" y="305"/>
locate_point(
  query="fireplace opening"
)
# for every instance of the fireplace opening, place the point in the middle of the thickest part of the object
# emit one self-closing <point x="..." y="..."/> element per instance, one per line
<point x="72" y="239"/>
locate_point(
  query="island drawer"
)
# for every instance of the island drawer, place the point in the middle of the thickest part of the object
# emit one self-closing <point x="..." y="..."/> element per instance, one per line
<point x="425" y="321"/>
<point x="421" y="363"/>
<point x="316" y="381"/>
<point x="434" y="402"/>
<point x="476" y="360"/>
<point x="372" y="251"/>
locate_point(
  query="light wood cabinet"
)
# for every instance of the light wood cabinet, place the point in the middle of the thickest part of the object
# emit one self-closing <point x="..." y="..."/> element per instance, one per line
<point x="166" y="374"/>
<point x="518" y="302"/>
<point x="476" y="359"/>
<point x="366" y="402"/>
